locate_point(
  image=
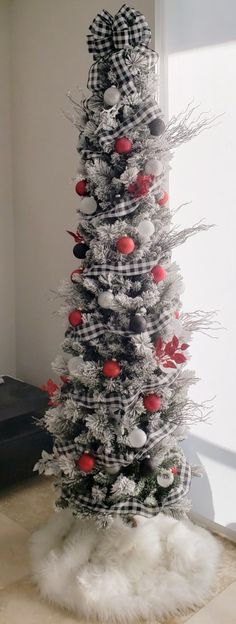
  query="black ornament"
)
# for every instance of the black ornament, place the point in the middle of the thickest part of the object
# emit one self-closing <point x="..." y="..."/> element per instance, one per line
<point x="80" y="250"/>
<point x="137" y="324"/>
<point x="157" y="126"/>
<point x="146" y="466"/>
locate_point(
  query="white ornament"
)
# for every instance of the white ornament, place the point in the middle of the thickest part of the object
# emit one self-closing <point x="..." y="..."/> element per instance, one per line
<point x="106" y="299"/>
<point x="137" y="438"/>
<point x="75" y="364"/>
<point x="111" y="96"/>
<point x="88" y="205"/>
<point x="112" y="470"/>
<point x="154" y="167"/>
<point x="165" y="478"/>
<point x="146" y="229"/>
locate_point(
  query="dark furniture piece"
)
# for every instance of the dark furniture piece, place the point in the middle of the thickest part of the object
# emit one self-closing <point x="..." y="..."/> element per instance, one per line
<point x="21" y="439"/>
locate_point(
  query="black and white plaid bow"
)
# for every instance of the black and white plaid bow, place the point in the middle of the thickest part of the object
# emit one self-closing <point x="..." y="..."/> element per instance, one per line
<point x="123" y="38"/>
<point x="127" y="28"/>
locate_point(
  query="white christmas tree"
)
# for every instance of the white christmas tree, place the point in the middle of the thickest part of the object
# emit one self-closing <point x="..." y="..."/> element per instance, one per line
<point x="119" y="414"/>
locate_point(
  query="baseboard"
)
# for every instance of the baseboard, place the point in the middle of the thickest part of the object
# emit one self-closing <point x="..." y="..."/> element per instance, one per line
<point x="213" y="526"/>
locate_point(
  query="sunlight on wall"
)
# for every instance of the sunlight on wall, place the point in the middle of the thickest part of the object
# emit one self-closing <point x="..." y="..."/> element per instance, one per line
<point x="204" y="173"/>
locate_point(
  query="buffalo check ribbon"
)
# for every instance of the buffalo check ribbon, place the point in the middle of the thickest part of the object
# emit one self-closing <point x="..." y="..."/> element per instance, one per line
<point x="92" y="330"/>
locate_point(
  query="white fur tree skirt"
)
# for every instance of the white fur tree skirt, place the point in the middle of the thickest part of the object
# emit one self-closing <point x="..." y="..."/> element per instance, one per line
<point x="123" y="573"/>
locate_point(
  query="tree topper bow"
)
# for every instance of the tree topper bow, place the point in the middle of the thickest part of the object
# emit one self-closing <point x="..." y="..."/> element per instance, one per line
<point x="116" y="37"/>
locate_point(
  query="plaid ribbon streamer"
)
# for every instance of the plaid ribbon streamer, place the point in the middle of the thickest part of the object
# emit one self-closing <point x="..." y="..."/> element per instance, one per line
<point x="90" y="331"/>
<point x="125" y="206"/>
<point x="121" y="65"/>
<point x="137" y="267"/>
<point x="110" y="460"/>
<point x="149" y="111"/>
<point x="116" y="401"/>
<point x="127" y="28"/>
<point x="134" y="506"/>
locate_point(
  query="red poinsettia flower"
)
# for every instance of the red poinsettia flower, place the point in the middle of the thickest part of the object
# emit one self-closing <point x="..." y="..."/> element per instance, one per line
<point x="171" y="353"/>
<point x="76" y="236"/>
<point x="141" y="186"/>
<point x="51" y="388"/>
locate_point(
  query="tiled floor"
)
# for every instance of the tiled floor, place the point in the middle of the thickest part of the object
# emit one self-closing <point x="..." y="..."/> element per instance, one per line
<point x="22" y="510"/>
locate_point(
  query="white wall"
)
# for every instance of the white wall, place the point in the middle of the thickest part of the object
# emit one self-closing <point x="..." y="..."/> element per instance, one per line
<point x="49" y="52"/>
<point x="7" y="306"/>
<point x="200" y="42"/>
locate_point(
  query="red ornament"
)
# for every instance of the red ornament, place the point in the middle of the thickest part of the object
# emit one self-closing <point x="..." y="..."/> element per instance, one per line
<point x="163" y="199"/>
<point x="177" y="314"/>
<point x="123" y="145"/>
<point x="174" y="470"/>
<point x="152" y="402"/>
<point x="74" y="274"/>
<point x="111" y="368"/>
<point x="158" y="273"/>
<point x="85" y="463"/>
<point x="125" y="245"/>
<point x="141" y="186"/>
<point x="75" y="318"/>
<point x="81" y="187"/>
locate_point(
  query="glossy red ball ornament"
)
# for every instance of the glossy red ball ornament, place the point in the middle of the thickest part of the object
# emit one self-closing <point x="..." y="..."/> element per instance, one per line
<point x="85" y="463"/>
<point x="174" y="470"/>
<point x="123" y="145"/>
<point x="158" y="273"/>
<point x="125" y="245"/>
<point x="111" y="368"/>
<point x="152" y="402"/>
<point x="75" y="318"/>
<point x="163" y="199"/>
<point x="177" y="314"/>
<point x="81" y="187"/>
<point x="75" y="274"/>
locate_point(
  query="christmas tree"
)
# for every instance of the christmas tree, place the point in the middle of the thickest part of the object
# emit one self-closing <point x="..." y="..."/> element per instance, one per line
<point x="120" y="411"/>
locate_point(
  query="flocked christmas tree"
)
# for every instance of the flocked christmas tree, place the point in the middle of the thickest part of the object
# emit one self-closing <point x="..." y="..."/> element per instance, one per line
<point x="120" y="412"/>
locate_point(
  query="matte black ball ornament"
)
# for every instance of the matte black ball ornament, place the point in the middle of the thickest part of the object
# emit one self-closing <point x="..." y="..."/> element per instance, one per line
<point x="137" y="324"/>
<point x="80" y="250"/>
<point x="146" y="466"/>
<point x="157" y="126"/>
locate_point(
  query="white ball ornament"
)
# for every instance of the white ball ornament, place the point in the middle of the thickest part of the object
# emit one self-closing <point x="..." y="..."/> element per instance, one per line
<point x="88" y="205"/>
<point x="75" y="365"/>
<point x="106" y="299"/>
<point x="165" y="478"/>
<point x="137" y="438"/>
<point x="111" y="96"/>
<point x="112" y="470"/>
<point x="146" y="229"/>
<point x="154" y="167"/>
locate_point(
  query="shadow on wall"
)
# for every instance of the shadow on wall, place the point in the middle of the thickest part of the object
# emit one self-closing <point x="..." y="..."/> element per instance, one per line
<point x="201" y="489"/>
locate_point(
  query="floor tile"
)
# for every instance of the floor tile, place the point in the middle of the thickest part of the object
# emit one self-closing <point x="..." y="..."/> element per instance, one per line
<point x="220" y="610"/>
<point x="21" y="603"/>
<point x="29" y="503"/>
<point x="14" y="551"/>
<point x="226" y="573"/>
